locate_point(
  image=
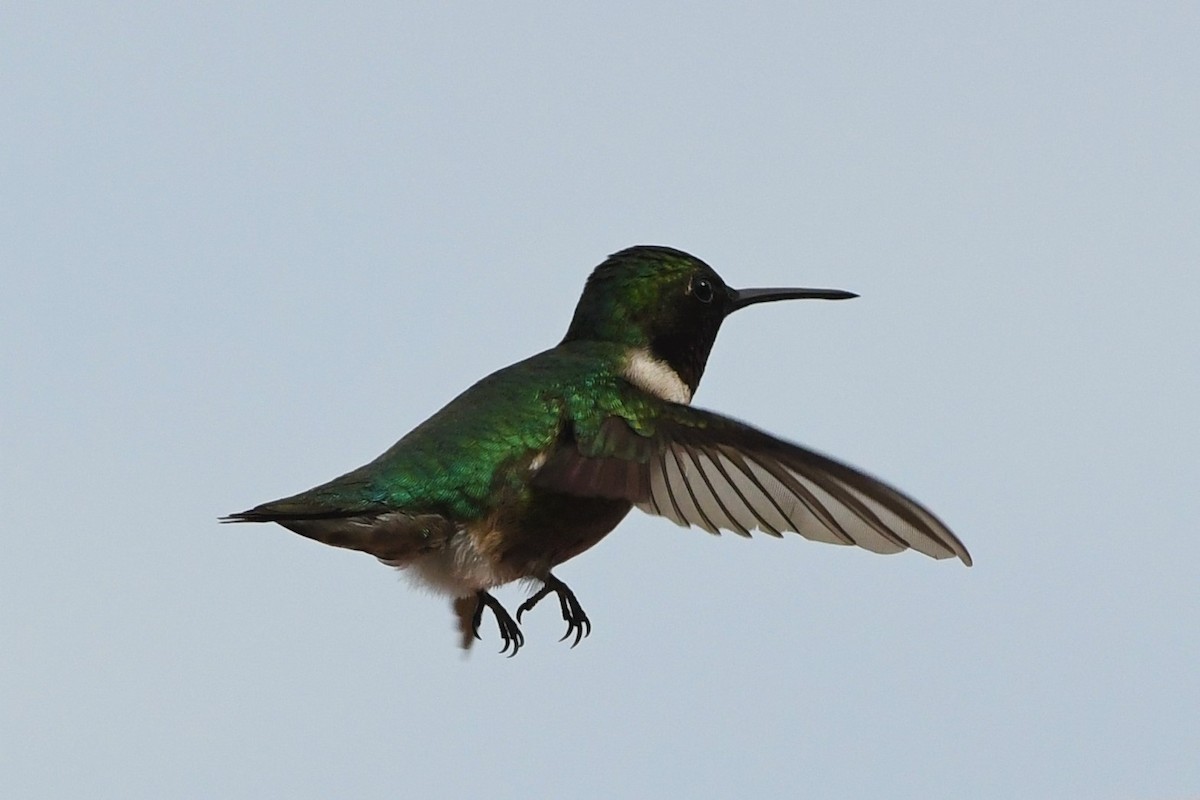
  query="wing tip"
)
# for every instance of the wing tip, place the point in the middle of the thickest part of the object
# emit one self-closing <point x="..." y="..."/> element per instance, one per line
<point x="942" y="547"/>
<point x="950" y="549"/>
<point x="954" y="547"/>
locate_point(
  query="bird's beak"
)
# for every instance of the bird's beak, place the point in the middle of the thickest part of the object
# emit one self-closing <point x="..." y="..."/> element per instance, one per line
<point x="740" y="298"/>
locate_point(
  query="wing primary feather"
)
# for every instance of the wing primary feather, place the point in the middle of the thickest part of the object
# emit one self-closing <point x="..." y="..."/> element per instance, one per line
<point x="679" y="517"/>
<point x="718" y="461"/>
<point x="856" y="506"/>
<point x="911" y="514"/>
<point x="704" y="522"/>
<point x="715" y="495"/>
<point x="657" y="481"/>
<point x="866" y="490"/>
<point x="709" y="525"/>
<point x="767" y="527"/>
<point x="736" y="459"/>
<point x="715" y="460"/>
<point x="809" y="500"/>
<point x="654" y="502"/>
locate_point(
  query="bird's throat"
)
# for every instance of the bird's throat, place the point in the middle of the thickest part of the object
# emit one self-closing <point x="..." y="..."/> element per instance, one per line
<point x="655" y="376"/>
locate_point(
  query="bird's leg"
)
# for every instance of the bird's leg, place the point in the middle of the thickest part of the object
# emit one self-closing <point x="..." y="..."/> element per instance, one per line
<point x="572" y="613"/>
<point x="509" y="632"/>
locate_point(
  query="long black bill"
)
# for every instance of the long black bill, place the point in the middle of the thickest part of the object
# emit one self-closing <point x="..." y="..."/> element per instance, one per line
<point x="748" y="297"/>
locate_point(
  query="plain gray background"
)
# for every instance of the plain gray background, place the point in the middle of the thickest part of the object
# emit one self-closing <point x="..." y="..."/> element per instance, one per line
<point x="247" y="248"/>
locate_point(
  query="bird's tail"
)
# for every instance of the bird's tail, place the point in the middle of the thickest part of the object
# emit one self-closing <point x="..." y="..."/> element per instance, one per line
<point x="394" y="537"/>
<point x="464" y="613"/>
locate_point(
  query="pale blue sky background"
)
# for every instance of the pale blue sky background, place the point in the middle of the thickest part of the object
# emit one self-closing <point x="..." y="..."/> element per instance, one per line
<point x="244" y="250"/>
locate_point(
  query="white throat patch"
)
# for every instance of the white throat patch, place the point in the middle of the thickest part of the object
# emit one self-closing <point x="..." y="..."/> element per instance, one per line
<point x="656" y="377"/>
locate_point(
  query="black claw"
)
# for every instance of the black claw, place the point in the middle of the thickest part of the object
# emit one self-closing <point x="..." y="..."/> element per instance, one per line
<point x="533" y="601"/>
<point x="572" y="613"/>
<point x="510" y="632"/>
<point x="477" y="618"/>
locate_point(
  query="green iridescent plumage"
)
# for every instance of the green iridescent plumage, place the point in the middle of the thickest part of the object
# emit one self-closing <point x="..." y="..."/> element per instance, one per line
<point x="479" y="447"/>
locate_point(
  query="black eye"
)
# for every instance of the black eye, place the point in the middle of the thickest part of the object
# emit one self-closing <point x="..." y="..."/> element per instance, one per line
<point x="702" y="290"/>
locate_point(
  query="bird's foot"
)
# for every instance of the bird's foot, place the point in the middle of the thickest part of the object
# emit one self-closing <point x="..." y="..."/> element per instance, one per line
<point x="509" y="631"/>
<point x="572" y="613"/>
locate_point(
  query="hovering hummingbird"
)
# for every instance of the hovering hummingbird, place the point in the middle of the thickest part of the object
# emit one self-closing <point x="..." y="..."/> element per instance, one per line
<point x="536" y="463"/>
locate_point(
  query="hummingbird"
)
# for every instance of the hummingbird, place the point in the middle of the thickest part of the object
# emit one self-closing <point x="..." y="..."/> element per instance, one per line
<point x="538" y="462"/>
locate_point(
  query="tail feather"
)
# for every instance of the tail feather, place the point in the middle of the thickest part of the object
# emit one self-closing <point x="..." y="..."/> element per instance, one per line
<point x="464" y="614"/>
<point x="395" y="537"/>
<point x="282" y="511"/>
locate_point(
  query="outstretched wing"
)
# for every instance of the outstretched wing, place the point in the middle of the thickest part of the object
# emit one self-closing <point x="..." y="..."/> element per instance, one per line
<point x="698" y="468"/>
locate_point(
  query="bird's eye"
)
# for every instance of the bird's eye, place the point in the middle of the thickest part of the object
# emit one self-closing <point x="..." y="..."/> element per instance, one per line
<point x="702" y="290"/>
